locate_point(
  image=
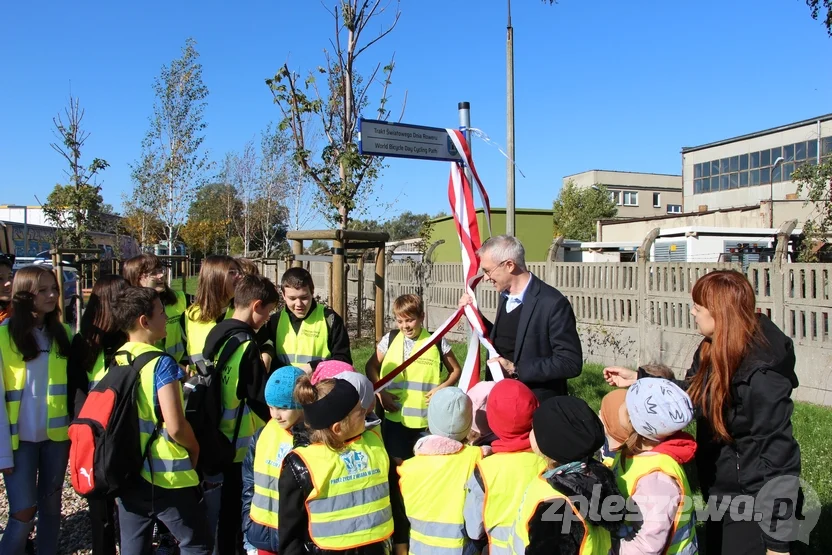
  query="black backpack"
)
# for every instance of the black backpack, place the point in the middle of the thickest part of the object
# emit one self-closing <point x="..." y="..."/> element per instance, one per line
<point x="203" y="410"/>
<point x="105" y="451"/>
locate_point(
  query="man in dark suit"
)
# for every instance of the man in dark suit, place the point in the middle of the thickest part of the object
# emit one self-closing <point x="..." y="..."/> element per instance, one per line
<point x="534" y="331"/>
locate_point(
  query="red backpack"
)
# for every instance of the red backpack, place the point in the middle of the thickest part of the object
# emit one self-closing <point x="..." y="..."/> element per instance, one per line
<point x="105" y="452"/>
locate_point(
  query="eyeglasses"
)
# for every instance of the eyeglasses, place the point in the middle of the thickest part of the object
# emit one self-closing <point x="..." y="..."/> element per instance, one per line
<point x="160" y="271"/>
<point x="488" y="273"/>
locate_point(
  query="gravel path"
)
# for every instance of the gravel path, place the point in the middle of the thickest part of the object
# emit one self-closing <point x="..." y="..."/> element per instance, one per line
<point x="75" y="524"/>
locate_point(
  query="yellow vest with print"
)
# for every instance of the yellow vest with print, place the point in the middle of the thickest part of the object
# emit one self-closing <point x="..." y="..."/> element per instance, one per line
<point x="196" y="333"/>
<point x="272" y="446"/>
<point x="310" y="344"/>
<point x="436" y="522"/>
<point x="681" y="539"/>
<point x="231" y="404"/>
<point x="596" y="539"/>
<point x="349" y="506"/>
<point x="167" y="465"/>
<point x="14" y="378"/>
<point x="505" y="477"/>
<point x="412" y="385"/>
<point x="174" y="342"/>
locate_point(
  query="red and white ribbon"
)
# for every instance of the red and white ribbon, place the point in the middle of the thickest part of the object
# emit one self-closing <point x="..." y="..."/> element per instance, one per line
<point x="461" y="196"/>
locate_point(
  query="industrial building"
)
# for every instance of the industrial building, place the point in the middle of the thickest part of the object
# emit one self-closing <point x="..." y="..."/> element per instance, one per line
<point x="637" y="195"/>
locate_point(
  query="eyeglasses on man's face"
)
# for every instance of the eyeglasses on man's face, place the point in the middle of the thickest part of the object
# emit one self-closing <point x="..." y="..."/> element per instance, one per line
<point x="488" y="273"/>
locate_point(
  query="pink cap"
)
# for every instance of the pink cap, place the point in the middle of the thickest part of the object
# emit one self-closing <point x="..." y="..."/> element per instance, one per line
<point x="327" y="369"/>
<point x="479" y="398"/>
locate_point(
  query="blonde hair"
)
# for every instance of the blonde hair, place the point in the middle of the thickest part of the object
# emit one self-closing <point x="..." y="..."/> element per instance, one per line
<point x="247" y="266"/>
<point x="306" y="393"/>
<point x="210" y="292"/>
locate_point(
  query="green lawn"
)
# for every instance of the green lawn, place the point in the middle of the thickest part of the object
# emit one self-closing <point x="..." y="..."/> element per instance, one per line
<point x="812" y="428"/>
<point x="190" y="285"/>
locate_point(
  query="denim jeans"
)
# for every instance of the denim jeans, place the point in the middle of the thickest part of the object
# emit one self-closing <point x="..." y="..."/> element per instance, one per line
<point x="181" y="510"/>
<point x="37" y="481"/>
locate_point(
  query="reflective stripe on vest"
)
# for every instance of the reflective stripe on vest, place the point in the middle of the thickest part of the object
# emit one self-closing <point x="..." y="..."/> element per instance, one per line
<point x="349" y="505"/>
<point x="632" y="469"/>
<point x="230" y="402"/>
<point x="411" y="385"/>
<point x="505" y="477"/>
<point x="14" y="378"/>
<point x="436" y="521"/>
<point x="174" y="342"/>
<point x="272" y="446"/>
<point x="596" y="539"/>
<point x="311" y="343"/>
<point x="196" y="333"/>
<point x="97" y="371"/>
<point x="168" y="464"/>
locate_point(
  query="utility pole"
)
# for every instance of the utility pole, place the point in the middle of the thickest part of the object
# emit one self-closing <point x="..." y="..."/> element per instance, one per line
<point x="510" y="125"/>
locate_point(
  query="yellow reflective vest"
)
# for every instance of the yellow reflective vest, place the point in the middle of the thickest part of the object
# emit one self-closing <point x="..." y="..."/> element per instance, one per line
<point x="98" y="371"/>
<point x="596" y="540"/>
<point x="681" y="539"/>
<point x="413" y="384"/>
<point x="168" y="464"/>
<point x="174" y="342"/>
<point x="310" y="344"/>
<point x="433" y="489"/>
<point x="349" y="505"/>
<point x="196" y="333"/>
<point x="14" y="379"/>
<point x="249" y="424"/>
<point x="272" y="446"/>
<point x="505" y="477"/>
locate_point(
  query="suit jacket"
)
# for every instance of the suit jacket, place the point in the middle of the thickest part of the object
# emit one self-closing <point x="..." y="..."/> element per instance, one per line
<point x="547" y="350"/>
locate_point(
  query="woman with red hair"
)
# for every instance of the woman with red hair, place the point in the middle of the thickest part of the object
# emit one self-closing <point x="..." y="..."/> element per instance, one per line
<point x="740" y="382"/>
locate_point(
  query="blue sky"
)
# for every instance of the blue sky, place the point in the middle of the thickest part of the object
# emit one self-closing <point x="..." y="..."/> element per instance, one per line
<point x="599" y="85"/>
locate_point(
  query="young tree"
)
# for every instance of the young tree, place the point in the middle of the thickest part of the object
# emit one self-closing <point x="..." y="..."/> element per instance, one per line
<point x="341" y="174"/>
<point x="816" y="182"/>
<point x="576" y="211"/>
<point x="172" y="150"/>
<point x="218" y="203"/>
<point x="269" y="213"/>
<point x="240" y="172"/>
<point x="74" y="208"/>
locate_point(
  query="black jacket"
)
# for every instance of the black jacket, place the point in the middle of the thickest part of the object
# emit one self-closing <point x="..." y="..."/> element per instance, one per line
<point x="251" y="384"/>
<point x="263" y="537"/>
<point x="595" y="481"/>
<point x="294" y="487"/>
<point x="759" y="420"/>
<point x="547" y="350"/>
<point x="338" y="340"/>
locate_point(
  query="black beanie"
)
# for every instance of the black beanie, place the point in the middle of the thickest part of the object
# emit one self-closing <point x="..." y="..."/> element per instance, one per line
<point x="567" y="430"/>
<point x="332" y="408"/>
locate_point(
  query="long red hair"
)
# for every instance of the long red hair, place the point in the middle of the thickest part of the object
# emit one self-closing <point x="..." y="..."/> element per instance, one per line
<point x="730" y="299"/>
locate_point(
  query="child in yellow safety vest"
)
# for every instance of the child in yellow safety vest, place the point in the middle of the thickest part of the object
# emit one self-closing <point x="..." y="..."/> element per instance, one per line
<point x="649" y="468"/>
<point x="305" y="332"/>
<point x="34" y="444"/>
<point x="232" y="344"/>
<point x="574" y="505"/>
<point x="405" y="400"/>
<point x="494" y="492"/>
<point x="263" y="463"/>
<point x="334" y="494"/>
<point x="433" y="481"/>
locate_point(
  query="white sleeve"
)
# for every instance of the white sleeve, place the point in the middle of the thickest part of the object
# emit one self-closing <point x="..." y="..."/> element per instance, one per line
<point x="6" y="453"/>
<point x="444" y="347"/>
<point x="384" y="344"/>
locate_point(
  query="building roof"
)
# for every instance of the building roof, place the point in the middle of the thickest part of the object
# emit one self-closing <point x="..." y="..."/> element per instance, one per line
<point x="622" y="171"/>
<point x="681" y="215"/>
<point x="756" y="134"/>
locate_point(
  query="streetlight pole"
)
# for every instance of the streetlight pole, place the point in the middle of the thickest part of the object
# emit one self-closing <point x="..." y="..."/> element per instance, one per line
<point x="777" y="162"/>
<point x="510" y="125"/>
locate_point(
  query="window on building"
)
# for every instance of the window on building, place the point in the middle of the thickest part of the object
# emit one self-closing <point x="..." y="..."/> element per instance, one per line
<point x="615" y="196"/>
<point x="743" y="162"/>
<point x="800" y="151"/>
<point x="788" y="152"/>
<point x="630" y="198"/>
<point x="765" y="158"/>
<point x="674" y="208"/>
<point x="826" y="146"/>
<point x="657" y="200"/>
<point x="733" y="180"/>
<point x="734" y="163"/>
<point x="812" y="150"/>
<point x="743" y="179"/>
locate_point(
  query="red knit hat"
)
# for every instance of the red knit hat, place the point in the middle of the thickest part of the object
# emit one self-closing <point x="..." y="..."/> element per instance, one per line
<point x="509" y="411"/>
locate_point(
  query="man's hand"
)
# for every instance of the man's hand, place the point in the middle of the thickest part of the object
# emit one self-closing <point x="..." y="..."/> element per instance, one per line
<point x="505" y="364"/>
<point x="389" y="401"/>
<point x="465" y="300"/>
<point x="618" y="376"/>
